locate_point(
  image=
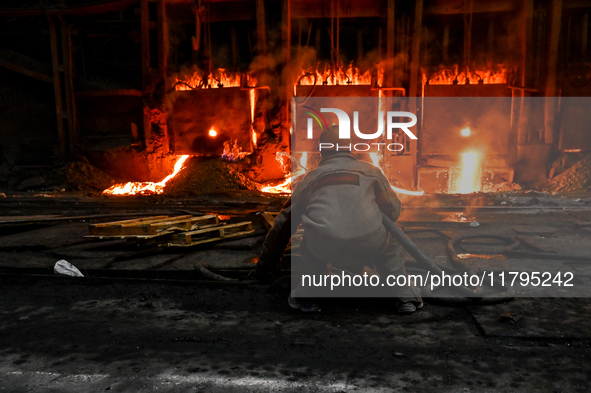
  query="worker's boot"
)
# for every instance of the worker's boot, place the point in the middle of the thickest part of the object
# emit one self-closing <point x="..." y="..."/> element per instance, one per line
<point x="406" y="308"/>
<point x="391" y="263"/>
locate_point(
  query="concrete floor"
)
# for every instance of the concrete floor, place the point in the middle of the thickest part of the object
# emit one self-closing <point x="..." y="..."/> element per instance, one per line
<point x="61" y="334"/>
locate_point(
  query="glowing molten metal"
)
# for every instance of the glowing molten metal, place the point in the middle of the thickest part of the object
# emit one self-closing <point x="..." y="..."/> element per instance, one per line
<point x="135" y="188"/>
<point x="471" y="174"/>
<point x="285" y="187"/>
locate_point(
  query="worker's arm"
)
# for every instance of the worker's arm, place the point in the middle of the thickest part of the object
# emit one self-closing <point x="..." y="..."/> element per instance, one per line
<point x="275" y="244"/>
<point x="386" y="198"/>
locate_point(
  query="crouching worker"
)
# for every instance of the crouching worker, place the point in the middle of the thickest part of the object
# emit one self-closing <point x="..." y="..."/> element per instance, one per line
<point x="340" y="204"/>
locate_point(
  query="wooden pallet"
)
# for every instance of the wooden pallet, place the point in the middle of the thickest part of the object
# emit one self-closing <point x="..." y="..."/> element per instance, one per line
<point x="150" y="227"/>
<point x="269" y="218"/>
<point x="208" y="235"/>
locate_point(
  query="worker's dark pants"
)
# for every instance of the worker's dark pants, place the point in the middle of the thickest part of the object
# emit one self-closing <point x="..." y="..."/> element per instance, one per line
<point x="385" y="262"/>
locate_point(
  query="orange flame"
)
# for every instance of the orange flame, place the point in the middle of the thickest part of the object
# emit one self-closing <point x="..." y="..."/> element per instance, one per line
<point x="349" y="76"/>
<point x="285" y="187"/>
<point x="219" y="78"/>
<point x="135" y="188"/>
<point x="447" y="76"/>
<point x="376" y="162"/>
<point x="470" y="179"/>
<point x="252" y="99"/>
<point x="233" y="152"/>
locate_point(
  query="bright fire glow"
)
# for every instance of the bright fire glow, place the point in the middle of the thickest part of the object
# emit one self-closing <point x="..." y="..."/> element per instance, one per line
<point x="213" y="132"/>
<point x="285" y="187"/>
<point x="376" y="162"/>
<point x="299" y="170"/>
<point x="349" y="76"/>
<point x="447" y="77"/>
<point x="233" y="152"/>
<point x="471" y="175"/>
<point x="252" y="99"/>
<point x="219" y="78"/>
<point x="135" y="188"/>
<point x="466" y="131"/>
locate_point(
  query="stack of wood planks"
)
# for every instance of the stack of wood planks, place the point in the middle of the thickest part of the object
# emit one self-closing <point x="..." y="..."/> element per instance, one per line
<point x="179" y="231"/>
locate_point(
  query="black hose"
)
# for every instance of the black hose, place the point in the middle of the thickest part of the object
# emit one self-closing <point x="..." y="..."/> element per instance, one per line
<point x="467" y="296"/>
<point x="183" y="83"/>
<point x="311" y="90"/>
<point x="409" y="245"/>
<point x="513" y="243"/>
<point x="512" y="251"/>
<point x="206" y="273"/>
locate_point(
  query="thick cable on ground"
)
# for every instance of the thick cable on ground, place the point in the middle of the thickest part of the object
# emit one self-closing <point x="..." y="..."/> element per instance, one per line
<point x="470" y="296"/>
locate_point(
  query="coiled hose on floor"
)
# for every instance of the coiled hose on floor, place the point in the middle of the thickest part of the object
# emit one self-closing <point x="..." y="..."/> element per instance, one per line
<point x="465" y="295"/>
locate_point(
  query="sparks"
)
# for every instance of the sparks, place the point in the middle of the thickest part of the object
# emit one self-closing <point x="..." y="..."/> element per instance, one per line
<point x="470" y="176"/>
<point x="213" y="132"/>
<point x="252" y="100"/>
<point x="285" y="186"/>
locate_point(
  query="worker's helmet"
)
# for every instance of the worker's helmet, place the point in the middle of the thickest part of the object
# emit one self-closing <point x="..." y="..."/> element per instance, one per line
<point x="331" y="135"/>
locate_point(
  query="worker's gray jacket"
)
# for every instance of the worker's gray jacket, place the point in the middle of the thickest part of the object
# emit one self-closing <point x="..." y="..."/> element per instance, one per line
<point x="340" y="204"/>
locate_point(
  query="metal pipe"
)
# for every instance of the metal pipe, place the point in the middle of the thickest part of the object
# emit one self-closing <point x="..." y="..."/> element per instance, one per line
<point x="402" y="89"/>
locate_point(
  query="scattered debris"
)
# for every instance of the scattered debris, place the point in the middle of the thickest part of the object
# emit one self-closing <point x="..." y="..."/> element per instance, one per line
<point x="509" y="316"/>
<point x="206" y="175"/>
<point x="500" y="187"/>
<point x="31" y="183"/>
<point x="576" y="178"/>
<point x="81" y="175"/>
<point x="533" y="229"/>
<point x="65" y="268"/>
